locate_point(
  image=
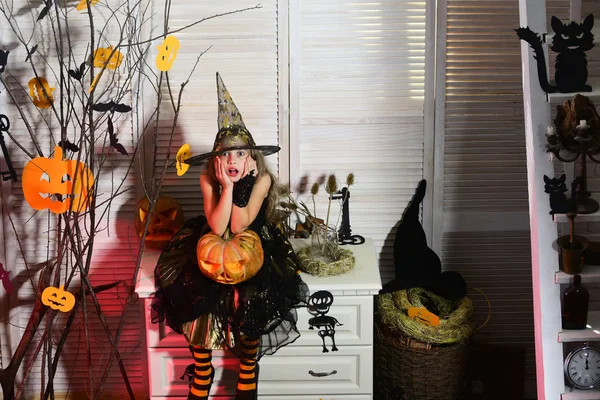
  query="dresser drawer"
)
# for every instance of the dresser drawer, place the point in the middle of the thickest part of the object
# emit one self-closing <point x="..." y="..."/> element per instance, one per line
<point x="354" y="312"/>
<point x="292" y="370"/>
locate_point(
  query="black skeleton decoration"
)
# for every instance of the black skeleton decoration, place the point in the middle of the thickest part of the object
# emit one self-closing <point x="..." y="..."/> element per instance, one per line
<point x="189" y="372"/>
<point x="319" y="304"/>
<point x="345" y="235"/>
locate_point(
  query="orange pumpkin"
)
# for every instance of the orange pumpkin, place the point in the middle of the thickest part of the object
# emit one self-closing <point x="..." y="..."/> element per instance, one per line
<point x="58" y="299"/>
<point x="36" y="91"/>
<point x="103" y="56"/>
<point x="167" y="52"/>
<point x="50" y="183"/>
<point x="230" y="260"/>
<point x="165" y="220"/>
<point x="83" y="4"/>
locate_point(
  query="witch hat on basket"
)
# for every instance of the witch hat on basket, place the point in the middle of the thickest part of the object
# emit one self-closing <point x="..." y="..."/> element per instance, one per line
<point x="233" y="134"/>
<point x="415" y="263"/>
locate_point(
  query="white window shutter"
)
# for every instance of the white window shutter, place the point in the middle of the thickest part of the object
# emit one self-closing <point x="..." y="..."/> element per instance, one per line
<point x="357" y="103"/>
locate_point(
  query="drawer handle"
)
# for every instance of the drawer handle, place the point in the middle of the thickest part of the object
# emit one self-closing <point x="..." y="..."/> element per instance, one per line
<point x="322" y="374"/>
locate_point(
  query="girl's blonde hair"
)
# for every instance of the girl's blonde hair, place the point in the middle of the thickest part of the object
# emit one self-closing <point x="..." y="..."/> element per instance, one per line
<point x="263" y="169"/>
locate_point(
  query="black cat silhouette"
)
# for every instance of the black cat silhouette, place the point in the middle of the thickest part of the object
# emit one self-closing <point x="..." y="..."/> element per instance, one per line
<point x="570" y="41"/>
<point x="556" y="188"/>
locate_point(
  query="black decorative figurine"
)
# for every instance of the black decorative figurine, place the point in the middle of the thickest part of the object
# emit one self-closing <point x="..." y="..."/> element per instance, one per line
<point x="556" y="188"/>
<point x="319" y="304"/>
<point x="570" y="41"/>
<point x="345" y="235"/>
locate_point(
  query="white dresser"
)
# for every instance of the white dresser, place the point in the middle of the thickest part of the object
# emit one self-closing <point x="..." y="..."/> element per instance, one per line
<point x="300" y="371"/>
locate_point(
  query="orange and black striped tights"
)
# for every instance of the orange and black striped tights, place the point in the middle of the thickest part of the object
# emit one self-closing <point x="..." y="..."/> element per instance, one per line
<point x="204" y="372"/>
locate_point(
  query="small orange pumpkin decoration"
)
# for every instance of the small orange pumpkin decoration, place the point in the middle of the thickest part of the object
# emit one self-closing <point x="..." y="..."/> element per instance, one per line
<point x="36" y="91"/>
<point x="83" y="4"/>
<point x="165" y="220"/>
<point x="167" y="52"/>
<point x="48" y="184"/>
<point x="58" y="299"/>
<point x="230" y="260"/>
<point x="103" y="56"/>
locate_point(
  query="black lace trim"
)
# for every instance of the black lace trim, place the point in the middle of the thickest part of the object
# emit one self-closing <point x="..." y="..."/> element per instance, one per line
<point x="242" y="190"/>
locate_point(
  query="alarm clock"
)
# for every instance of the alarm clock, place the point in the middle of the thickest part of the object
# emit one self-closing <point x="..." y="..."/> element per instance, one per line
<point x="582" y="367"/>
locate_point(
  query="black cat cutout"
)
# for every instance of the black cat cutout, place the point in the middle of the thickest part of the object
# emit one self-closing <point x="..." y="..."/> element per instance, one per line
<point x="570" y="41"/>
<point x="556" y="188"/>
<point x="3" y="59"/>
<point x="319" y="304"/>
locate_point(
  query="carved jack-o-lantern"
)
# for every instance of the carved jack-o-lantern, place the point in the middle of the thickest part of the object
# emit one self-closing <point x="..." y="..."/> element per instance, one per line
<point x="167" y="52"/>
<point x="57" y="184"/>
<point x="230" y="260"/>
<point x="58" y="299"/>
<point x="102" y="57"/>
<point x="40" y="98"/>
<point x="165" y="220"/>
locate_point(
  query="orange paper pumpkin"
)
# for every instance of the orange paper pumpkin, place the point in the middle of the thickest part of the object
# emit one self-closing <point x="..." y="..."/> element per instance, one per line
<point x="232" y="260"/>
<point x="83" y="4"/>
<point x="58" y="299"/>
<point x="103" y="56"/>
<point x="167" y="52"/>
<point x="183" y="154"/>
<point x="165" y="220"/>
<point x="36" y="91"/>
<point x="423" y="315"/>
<point x="57" y="184"/>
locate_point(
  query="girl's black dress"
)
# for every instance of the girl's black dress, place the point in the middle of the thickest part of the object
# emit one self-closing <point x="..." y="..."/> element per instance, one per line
<point x="214" y="315"/>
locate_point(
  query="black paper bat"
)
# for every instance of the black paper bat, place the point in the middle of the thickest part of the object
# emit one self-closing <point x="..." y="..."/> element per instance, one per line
<point x="5" y="280"/>
<point x="3" y="59"/>
<point x="30" y="52"/>
<point x="77" y="74"/>
<point x="112" y="107"/>
<point x="44" y="12"/>
<point x="114" y="142"/>
<point x="66" y="145"/>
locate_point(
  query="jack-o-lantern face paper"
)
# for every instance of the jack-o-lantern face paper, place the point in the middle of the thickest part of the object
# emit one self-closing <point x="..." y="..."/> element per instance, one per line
<point x="56" y="184"/>
<point x="103" y="57"/>
<point x="232" y="260"/>
<point x="36" y="91"/>
<point x="58" y="299"/>
<point x="167" y="52"/>
<point x="165" y="220"/>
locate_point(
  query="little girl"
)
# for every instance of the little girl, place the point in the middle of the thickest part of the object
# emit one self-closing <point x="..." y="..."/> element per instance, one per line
<point x="250" y="318"/>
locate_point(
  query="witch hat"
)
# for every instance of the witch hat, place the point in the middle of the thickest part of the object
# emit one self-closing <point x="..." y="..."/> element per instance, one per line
<point x="417" y="265"/>
<point x="232" y="134"/>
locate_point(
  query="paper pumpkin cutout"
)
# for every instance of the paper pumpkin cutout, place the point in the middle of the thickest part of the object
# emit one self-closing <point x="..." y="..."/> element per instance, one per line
<point x="183" y="154"/>
<point x="319" y="304"/>
<point x="36" y="91"/>
<point x="3" y="59"/>
<point x="83" y="4"/>
<point x="165" y="220"/>
<point x="423" y="315"/>
<point x="167" y="53"/>
<point x="58" y="299"/>
<point x="48" y="184"/>
<point x="103" y="57"/>
<point x="231" y="260"/>
<point x="570" y="41"/>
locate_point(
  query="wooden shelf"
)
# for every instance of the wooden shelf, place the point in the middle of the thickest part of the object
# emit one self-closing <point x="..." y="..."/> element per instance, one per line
<point x="592" y="333"/>
<point x="590" y="274"/>
<point x="578" y="394"/>
<point x="582" y="217"/>
<point x="561" y="97"/>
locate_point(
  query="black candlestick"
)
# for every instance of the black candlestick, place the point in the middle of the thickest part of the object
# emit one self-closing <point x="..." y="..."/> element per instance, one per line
<point x="345" y="235"/>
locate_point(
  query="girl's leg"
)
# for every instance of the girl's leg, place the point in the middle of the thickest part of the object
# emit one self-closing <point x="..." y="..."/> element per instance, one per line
<point x="203" y="373"/>
<point x="248" y="377"/>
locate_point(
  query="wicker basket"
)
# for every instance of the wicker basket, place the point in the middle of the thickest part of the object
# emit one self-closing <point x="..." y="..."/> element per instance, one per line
<point x="411" y="370"/>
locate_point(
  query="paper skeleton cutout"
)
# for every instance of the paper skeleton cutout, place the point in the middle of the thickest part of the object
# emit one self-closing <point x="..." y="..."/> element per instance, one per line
<point x="319" y="304"/>
<point x="189" y="372"/>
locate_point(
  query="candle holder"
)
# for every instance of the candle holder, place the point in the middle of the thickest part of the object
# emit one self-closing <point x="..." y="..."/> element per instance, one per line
<point x="569" y="149"/>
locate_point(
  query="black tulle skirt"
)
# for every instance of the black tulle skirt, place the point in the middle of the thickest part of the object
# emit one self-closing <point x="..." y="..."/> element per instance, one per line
<point x="214" y="315"/>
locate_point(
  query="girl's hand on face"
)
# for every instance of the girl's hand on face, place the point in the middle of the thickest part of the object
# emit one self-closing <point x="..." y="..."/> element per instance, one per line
<point x="221" y="174"/>
<point x="250" y="167"/>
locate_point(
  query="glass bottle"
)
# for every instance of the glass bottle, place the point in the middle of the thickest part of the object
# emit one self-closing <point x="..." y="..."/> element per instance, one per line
<point x="575" y="305"/>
